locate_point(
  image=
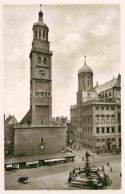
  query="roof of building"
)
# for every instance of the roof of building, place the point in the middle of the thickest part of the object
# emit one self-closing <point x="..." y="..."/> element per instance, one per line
<point x="85" y="68"/>
<point x="19" y="159"/>
<point x="107" y="85"/>
<point x="9" y="118"/>
<point x="41" y="24"/>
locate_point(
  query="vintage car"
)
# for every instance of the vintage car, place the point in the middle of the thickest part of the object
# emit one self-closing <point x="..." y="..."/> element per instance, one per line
<point x="23" y="179"/>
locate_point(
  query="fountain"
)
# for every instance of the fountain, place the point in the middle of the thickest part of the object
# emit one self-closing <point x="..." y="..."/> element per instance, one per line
<point x="89" y="177"/>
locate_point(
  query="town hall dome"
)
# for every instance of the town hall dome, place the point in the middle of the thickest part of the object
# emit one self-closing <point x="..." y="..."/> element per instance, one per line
<point x="85" y="68"/>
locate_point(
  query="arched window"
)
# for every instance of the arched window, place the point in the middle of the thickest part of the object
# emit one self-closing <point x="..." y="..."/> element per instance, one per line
<point x="35" y="33"/>
<point x="45" y="61"/>
<point x="39" y="59"/>
<point x="43" y="34"/>
<point x="39" y="33"/>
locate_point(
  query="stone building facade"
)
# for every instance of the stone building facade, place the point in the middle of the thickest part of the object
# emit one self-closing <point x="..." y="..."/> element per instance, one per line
<point x="96" y="119"/>
<point x="36" y="134"/>
<point x="39" y="140"/>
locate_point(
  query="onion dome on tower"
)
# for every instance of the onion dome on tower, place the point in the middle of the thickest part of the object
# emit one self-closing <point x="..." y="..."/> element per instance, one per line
<point x="85" y="68"/>
<point x="85" y="77"/>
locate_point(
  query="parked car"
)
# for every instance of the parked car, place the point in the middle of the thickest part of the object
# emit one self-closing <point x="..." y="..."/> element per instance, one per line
<point x="11" y="169"/>
<point x="23" y="179"/>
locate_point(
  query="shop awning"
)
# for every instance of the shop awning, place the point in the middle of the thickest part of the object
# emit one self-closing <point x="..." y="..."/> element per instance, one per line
<point x="34" y="162"/>
<point x="52" y="160"/>
<point x="9" y="165"/>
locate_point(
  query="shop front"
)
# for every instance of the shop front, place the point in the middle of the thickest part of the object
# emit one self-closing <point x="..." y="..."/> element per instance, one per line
<point x="54" y="161"/>
<point x="33" y="164"/>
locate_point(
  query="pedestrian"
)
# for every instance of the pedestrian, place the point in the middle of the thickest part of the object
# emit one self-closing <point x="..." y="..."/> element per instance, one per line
<point x="110" y="169"/>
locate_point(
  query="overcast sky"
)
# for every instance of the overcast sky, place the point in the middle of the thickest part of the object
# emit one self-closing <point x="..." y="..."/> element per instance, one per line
<point x="74" y="31"/>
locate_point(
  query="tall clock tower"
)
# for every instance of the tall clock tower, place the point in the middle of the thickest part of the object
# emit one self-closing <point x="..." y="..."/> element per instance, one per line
<point x="40" y="74"/>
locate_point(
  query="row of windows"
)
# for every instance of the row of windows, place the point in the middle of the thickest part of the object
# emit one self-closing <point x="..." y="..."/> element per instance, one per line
<point x="107" y="129"/>
<point x="89" y="108"/>
<point x="105" y="119"/>
<point x="87" y="119"/>
<point x="88" y="83"/>
<point x="87" y="129"/>
<point x="106" y="140"/>
<point x="105" y="108"/>
<point x="44" y="60"/>
<point x="39" y="34"/>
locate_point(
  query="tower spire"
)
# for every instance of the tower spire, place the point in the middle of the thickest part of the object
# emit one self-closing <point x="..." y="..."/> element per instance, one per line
<point x="84" y="59"/>
<point x="40" y="14"/>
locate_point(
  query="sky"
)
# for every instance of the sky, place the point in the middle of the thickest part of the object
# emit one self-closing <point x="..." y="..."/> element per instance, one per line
<point x="74" y="31"/>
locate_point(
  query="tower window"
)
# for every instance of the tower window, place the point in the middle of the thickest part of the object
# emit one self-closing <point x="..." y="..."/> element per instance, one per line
<point x="39" y="33"/>
<point x="45" y="61"/>
<point x="35" y="33"/>
<point x="43" y="34"/>
<point x="42" y="122"/>
<point x="39" y="59"/>
<point x="47" y="35"/>
<point x="41" y="140"/>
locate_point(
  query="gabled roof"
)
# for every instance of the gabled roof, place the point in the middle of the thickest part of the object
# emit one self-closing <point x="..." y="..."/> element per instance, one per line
<point x="107" y="85"/>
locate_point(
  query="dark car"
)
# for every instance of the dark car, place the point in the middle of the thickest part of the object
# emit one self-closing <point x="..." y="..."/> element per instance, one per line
<point x="23" y="179"/>
<point x="11" y="169"/>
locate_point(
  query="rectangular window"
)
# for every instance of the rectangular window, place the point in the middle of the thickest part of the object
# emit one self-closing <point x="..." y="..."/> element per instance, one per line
<point x="98" y="140"/>
<point x="107" y="119"/>
<point x="108" y="139"/>
<point x="97" y="130"/>
<point x="43" y="34"/>
<point x="97" y="108"/>
<point x="112" y="108"/>
<point x="35" y="33"/>
<point x="41" y="140"/>
<point x="119" y="117"/>
<point x="103" y="130"/>
<point x="39" y="33"/>
<point x="107" y="108"/>
<point x="108" y="130"/>
<point x="119" y="129"/>
<point x="102" y="119"/>
<point x="113" y="129"/>
<point x="113" y="118"/>
<point x="102" y="108"/>
<point x="97" y="119"/>
<point x="113" y="139"/>
<point x="103" y="139"/>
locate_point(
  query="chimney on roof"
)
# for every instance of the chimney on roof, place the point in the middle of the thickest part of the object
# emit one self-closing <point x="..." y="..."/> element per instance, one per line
<point x="119" y="80"/>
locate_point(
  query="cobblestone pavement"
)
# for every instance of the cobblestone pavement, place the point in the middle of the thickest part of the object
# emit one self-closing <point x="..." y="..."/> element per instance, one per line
<point x="55" y="177"/>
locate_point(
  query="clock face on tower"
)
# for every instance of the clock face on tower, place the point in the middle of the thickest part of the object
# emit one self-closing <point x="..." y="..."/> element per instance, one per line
<point x="42" y="72"/>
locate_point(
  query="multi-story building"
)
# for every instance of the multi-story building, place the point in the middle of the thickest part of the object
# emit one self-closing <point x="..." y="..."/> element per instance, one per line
<point x="96" y="119"/>
<point x="9" y="123"/>
<point x="36" y="137"/>
<point x="60" y="120"/>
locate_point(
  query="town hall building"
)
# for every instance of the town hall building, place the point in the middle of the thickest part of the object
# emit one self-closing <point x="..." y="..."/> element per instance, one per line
<point x="96" y="118"/>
